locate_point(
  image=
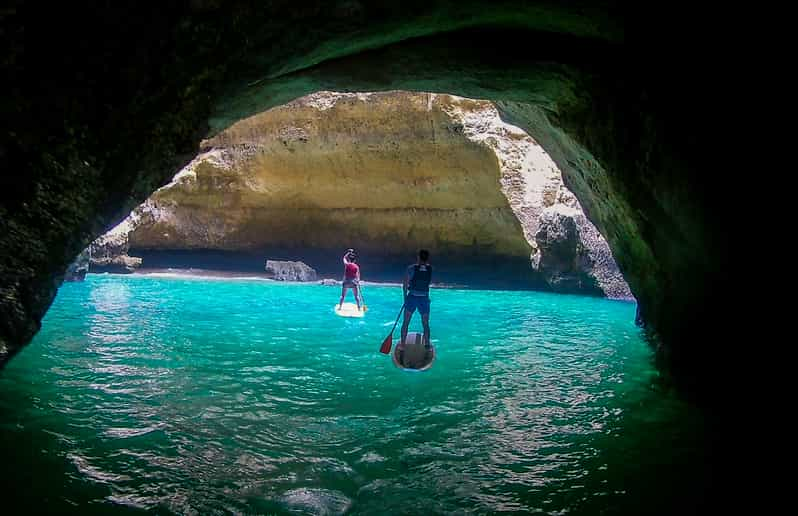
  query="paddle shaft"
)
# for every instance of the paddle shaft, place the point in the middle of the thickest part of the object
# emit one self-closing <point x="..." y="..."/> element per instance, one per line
<point x="388" y="342"/>
<point x="397" y="318"/>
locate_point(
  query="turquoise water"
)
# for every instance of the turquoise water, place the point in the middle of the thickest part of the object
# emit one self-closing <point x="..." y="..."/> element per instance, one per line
<point x="207" y="396"/>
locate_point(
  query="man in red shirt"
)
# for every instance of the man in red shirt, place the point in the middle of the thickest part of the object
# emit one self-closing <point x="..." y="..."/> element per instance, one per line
<point x="351" y="277"/>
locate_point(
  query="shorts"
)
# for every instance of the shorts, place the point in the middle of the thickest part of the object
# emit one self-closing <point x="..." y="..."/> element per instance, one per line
<point x="349" y="283"/>
<point x="417" y="302"/>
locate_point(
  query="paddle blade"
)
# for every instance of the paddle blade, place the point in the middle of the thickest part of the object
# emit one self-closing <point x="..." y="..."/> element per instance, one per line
<point x="386" y="344"/>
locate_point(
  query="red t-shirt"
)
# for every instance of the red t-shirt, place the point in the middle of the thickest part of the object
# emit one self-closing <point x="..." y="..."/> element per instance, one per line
<point x="351" y="270"/>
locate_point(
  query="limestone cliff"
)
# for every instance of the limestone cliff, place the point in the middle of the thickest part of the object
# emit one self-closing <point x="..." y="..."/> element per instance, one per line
<point x="386" y="172"/>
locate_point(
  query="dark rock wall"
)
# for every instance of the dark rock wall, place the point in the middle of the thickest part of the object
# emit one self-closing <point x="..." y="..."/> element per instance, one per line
<point x="104" y="103"/>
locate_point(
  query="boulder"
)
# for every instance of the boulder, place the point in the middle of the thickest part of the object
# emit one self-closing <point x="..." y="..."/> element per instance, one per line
<point x="562" y="259"/>
<point x="290" y="271"/>
<point x="122" y="264"/>
<point x="77" y="269"/>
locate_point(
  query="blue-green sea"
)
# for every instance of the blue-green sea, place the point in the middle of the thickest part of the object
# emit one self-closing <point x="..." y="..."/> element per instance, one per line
<point x="243" y="396"/>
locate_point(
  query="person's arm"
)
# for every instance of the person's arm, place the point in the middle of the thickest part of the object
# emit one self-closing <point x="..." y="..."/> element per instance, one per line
<point x="405" y="284"/>
<point x="346" y="258"/>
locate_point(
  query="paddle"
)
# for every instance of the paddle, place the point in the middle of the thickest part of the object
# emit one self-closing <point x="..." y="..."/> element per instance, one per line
<point x="362" y="300"/>
<point x="388" y="342"/>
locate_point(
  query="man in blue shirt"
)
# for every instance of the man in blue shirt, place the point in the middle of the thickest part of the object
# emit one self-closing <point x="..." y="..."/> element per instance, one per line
<point x="416" y="291"/>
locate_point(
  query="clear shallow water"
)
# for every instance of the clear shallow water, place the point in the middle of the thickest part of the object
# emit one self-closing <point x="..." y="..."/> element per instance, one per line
<point x="232" y="396"/>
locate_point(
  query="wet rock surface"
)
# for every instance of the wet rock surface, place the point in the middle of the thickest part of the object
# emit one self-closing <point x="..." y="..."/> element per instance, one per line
<point x="290" y="271"/>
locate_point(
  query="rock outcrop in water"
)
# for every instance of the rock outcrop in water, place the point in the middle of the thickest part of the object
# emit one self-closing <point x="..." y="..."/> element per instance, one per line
<point x="574" y="256"/>
<point x="562" y="256"/>
<point x="391" y="171"/>
<point x="290" y="271"/>
<point x="78" y="269"/>
<point x="109" y="253"/>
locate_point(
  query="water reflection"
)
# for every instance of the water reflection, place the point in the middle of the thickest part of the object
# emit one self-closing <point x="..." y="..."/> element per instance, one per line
<point x="155" y="396"/>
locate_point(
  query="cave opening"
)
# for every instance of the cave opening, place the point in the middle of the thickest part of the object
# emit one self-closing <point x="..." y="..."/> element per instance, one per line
<point x="225" y="377"/>
<point x="387" y="173"/>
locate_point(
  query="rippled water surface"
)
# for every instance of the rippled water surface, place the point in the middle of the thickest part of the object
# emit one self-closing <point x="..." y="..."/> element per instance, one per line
<point x="241" y="396"/>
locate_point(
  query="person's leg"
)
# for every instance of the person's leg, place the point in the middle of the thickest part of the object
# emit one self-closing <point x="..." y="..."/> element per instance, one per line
<point x="410" y="307"/>
<point x="343" y="295"/>
<point x="425" y="323"/>
<point x="423" y="309"/>
<point x="356" y="292"/>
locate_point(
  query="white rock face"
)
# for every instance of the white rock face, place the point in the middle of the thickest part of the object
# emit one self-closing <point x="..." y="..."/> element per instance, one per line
<point x="532" y="184"/>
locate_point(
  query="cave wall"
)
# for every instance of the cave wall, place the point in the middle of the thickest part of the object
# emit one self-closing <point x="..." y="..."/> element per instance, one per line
<point x="106" y="102"/>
